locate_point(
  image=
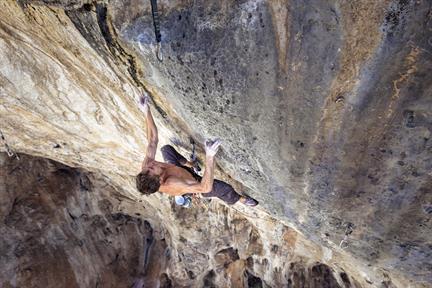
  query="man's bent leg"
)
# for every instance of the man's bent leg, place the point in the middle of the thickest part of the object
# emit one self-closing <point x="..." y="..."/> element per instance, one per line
<point x="170" y="155"/>
<point x="223" y="191"/>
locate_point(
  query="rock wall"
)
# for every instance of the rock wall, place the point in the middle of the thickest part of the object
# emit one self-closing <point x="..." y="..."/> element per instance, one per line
<point x="59" y="229"/>
<point x="324" y="108"/>
<point x="65" y="227"/>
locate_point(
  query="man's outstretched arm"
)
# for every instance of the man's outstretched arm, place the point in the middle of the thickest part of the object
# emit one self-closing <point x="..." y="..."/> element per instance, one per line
<point x="211" y="149"/>
<point x="152" y="133"/>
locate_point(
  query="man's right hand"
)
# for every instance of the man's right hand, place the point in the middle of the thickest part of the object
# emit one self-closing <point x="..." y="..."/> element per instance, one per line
<point x="212" y="147"/>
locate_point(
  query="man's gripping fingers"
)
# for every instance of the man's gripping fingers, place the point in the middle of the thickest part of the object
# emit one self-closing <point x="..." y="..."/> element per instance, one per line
<point x="144" y="102"/>
<point x="212" y="146"/>
<point x="144" y="99"/>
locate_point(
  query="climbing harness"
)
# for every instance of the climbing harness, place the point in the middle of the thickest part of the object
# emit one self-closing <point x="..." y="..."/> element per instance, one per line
<point x="156" y="24"/>
<point x="186" y="200"/>
<point x="9" y="151"/>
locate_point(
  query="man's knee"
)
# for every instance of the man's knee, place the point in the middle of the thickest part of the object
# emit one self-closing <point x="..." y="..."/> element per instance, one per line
<point x="170" y="155"/>
<point x="167" y="149"/>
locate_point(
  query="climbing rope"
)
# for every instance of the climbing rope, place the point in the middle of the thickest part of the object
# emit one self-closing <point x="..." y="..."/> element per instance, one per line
<point x="9" y="151"/>
<point x="193" y="154"/>
<point x="156" y="24"/>
<point x="196" y="167"/>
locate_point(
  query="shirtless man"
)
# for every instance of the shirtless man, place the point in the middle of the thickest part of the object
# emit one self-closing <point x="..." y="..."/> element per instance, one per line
<point x="176" y="176"/>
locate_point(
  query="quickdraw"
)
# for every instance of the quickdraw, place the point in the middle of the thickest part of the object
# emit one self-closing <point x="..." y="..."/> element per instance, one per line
<point x="349" y="229"/>
<point x="156" y="24"/>
<point x="9" y="151"/>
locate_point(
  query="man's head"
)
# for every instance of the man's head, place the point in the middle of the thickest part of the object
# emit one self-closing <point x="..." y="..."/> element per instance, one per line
<point x="147" y="182"/>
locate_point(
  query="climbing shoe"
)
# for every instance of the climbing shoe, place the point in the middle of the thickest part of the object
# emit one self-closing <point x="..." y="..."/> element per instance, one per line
<point x="248" y="201"/>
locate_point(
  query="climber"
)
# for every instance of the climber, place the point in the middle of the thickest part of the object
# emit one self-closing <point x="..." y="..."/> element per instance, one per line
<point x="175" y="176"/>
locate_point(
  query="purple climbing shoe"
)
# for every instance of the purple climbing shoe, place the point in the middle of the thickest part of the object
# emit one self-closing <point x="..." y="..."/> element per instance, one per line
<point x="248" y="201"/>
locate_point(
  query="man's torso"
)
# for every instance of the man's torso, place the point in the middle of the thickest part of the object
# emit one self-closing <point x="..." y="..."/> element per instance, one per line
<point x="175" y="174"/>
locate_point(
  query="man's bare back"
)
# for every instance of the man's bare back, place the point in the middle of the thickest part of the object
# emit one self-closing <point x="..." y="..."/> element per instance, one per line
<point x="173" y="178"/>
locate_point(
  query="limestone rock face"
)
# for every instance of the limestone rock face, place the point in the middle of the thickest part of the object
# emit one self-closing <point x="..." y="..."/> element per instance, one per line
<point x="59" y="230"/>
<point x="66" y="227"/>
<point x="325" y="110"/>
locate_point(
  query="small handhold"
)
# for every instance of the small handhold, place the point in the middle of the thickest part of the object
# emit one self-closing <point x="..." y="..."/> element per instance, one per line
<point x="340" y="99"/>
<point x="409" y="119"/>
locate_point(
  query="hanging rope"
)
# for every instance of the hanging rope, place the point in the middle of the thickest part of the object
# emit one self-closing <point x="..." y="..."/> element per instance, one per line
<point x="156" y="24"/>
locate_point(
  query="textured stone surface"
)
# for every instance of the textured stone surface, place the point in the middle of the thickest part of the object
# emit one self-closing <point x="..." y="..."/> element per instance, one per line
<point x="59" y="229"/>
<point x="324" y="106"/>
<point x="67" y="227"/>
<point x="333" y="122"/>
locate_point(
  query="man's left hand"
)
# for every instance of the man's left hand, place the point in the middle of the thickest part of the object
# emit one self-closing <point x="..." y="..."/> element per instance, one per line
<point x="144" y="103"/>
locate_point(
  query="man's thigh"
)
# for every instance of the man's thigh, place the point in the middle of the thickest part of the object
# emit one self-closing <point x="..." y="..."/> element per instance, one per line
<point x="223" y="191"/>
<point x="171" y="155"/>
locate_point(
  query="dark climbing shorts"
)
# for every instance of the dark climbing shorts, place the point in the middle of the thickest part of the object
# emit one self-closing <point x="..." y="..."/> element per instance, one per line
<point x="221" y="190"/>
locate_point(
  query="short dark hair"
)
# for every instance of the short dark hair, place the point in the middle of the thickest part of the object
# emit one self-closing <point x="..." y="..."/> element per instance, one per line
<point x="146" y="183"/>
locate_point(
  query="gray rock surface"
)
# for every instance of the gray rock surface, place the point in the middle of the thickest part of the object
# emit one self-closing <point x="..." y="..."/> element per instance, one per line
<point x="325" y="107"/>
